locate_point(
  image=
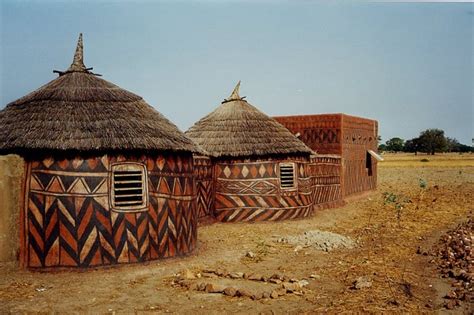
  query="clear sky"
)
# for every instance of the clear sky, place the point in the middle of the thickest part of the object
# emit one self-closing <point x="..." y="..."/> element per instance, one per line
<point x="408" y="65"/>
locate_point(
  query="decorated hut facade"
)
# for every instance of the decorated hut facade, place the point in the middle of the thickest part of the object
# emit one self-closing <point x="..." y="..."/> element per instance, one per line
<point x="352" y="138"/>
<point x="108" y="180"/>
<point x="260" y="170"/>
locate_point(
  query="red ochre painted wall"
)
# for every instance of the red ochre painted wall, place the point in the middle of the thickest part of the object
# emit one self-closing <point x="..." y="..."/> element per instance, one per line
<point x="344" y="135"/>
<point x="205" y="186"/>
<point x="67" y="220"/>
<point x="326" y="174"/>
<point x="358" y="136"/>
<point x="322" y="133"/>
<point x="249" y="190"/>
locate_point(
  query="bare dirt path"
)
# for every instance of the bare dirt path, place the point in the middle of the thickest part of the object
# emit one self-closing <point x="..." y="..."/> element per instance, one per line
<point x="385" y="254"/>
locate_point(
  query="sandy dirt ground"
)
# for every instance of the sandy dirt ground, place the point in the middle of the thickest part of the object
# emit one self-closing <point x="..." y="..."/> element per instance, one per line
<point x="385" y="254"/>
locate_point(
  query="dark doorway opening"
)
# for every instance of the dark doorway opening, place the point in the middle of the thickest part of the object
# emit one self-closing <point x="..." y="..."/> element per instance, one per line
<point x="368" y="163"/>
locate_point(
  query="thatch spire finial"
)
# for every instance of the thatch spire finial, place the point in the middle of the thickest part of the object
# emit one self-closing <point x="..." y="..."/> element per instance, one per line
<point x="78" y="61"/>
<point x="235" y="94"/>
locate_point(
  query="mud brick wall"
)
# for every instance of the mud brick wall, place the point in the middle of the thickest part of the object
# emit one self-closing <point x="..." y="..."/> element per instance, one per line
<point x="325" y="172"/>
<point x="249" y="190"/>
<point x="359" y="167"/>
<point x="322" y="133"/>
<point x="11" y="178"/>
<point x="204" y="186"/>
<point x="67" y="220"/>
<point x="348" y="136"/>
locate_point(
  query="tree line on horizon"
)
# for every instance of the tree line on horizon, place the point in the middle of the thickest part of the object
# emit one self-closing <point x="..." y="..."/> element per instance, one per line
<point x="429" y="141"/>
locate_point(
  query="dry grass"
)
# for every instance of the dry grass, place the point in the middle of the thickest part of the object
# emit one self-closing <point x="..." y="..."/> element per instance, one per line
<point x="438" y="160"/>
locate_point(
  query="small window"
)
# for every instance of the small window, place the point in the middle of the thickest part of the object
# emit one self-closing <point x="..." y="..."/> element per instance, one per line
<point x="129" y="187"/>
<point x="368" y="163"/>
<point x="287" y="175"/>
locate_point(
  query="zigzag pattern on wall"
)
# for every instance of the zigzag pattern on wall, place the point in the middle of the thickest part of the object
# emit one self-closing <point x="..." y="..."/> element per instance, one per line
<point x="261" y="214"/>
<point x="204" y="184"/>
<point x="68" y="221"/>
<point x="316" y="136"/>
<point x="205" y="198"/>
<point x="326" y="171"/>
<point x="250" y="191"/>
<point x="225" y="202"/>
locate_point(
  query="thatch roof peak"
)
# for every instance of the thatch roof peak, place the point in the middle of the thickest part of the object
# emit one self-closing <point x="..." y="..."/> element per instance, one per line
<point x="238" y="129"/>
<point x="78" y="61"/>
<point x="235" y="94"/>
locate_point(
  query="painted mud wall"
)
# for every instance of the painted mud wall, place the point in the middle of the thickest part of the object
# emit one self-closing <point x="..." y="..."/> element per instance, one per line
<point x="204" y="186"/>
<point x="322" y="133"/>
<point x="67" y="220"/>
<point x="247" y="190"/>
<point x="11" y="177"/>
<point x="344" y="135"/>
<point x="325" y="172"/>
<point x="359" y="168"/>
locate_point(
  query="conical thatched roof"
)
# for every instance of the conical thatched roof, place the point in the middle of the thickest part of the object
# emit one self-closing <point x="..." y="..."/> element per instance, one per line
<point x="238" y="129"/>
<point x="81" y="112"/>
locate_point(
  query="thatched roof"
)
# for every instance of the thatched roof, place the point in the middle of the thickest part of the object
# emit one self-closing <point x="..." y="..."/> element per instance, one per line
<point x="81" y="112"/>
<point x="238" y="129"/>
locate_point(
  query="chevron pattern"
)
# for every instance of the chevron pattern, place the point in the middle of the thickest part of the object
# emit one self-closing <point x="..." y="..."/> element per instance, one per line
<point x="240" y="197"/>
<point x="205" y="198"/>
<point x="68" y="222"/>
<point x="261" y="214"/>
<point x="204" y="184"/>
<point x="326" y="171"/>
<point x="250" y="191"/>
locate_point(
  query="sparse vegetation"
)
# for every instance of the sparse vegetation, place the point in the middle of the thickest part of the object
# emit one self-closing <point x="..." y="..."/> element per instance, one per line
<point x="397" y="201"/>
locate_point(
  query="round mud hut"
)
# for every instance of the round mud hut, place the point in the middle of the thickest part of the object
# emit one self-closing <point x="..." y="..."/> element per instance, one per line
<point x="109" y="180"/>
<point x="261" y="170"/>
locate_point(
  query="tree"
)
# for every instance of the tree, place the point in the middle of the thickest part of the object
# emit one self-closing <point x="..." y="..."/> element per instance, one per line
<point x="382" y="147"/>
<point x="395" y="144"/>
<point x="412" y="145"/>
<point x="452" y="144"/>
<point x="432" y="140"/>
<point x="465" y="148"/>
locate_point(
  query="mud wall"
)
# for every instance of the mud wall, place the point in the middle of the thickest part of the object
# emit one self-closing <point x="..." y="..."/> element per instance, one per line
<point x="204" y="185"/>
<point x="325" y="172"/>
<point x="322" y="133"/>
<point x="359" y="168"/>
<point x="11" y="178"/>
<point x="344" y="135"/>
<point x="68" y="221"/>
<point x="250" y="190"/>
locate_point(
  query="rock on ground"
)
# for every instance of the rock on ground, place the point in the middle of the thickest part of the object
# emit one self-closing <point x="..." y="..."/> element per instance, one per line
<point x="321" y="240"/>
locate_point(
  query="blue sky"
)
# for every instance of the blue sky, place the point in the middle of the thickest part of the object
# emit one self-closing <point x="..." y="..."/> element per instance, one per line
<point x="408" y="65"/>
